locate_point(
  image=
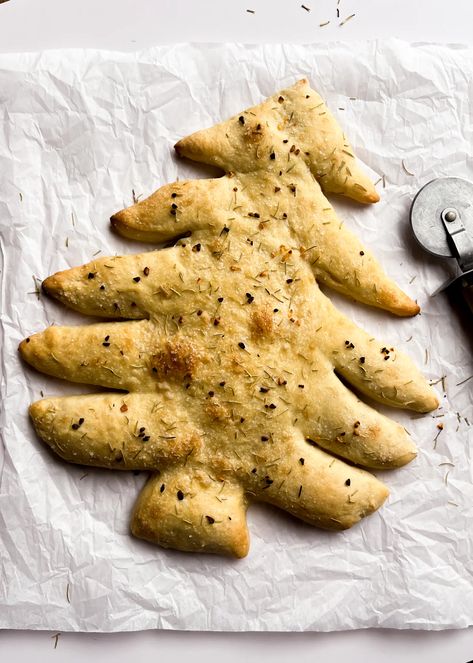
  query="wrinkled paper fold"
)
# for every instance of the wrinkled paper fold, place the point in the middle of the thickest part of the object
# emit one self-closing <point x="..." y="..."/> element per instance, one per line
<point x="81" y="130"/>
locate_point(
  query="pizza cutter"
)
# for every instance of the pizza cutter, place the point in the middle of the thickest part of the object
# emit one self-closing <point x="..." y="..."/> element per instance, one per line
<point x="442" y="221"/>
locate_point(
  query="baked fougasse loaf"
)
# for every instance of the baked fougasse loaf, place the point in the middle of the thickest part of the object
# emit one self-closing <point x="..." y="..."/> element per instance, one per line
<point x="224" y="349"/>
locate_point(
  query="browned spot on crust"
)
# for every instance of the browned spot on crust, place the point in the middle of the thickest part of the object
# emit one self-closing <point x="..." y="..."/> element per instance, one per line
<point x="254" y="132"/>
<point x="261" y="323"/>
<point x="216" y="411"/>
<point x="183" y="447"/>
<point x="177" y="359"/>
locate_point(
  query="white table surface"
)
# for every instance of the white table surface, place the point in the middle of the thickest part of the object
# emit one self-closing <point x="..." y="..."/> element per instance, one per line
<point x="28" y="25"/>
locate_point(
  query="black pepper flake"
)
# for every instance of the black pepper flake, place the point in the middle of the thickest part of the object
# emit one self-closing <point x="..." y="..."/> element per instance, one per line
<point x="216" y="322"/>
<point x="211" y="394"/>
<point x="174" y="206"/>
<point x="242" y="419"/>
<point x="172" y="211"/>
<point x="220" y="299"/>
<point x="264" y="438"/>
<point x="349" y="345"/>
<point x="301" y="386"/>
<point x="146" y="438"/>
<point x="301" y="461"/>
<point x="275" y="310"/>
<point x="284" y="216"/>
<point x="162" y="489"/>
<point x="136" y="279"/>
<point x="249" y="298"/>
<point x="196" y="248"/>
<point x="241" y="345"/>
<point x="174" y="195"/>
<point x="281" y="99"/>
<point x="289" y="280"/>
<point x="102" y="287"/>
<point x="362" y="253"/>
<point x="91" y="275"/>
<point x="154" y="369"/>
<point x="253" y="471"/>
<point x="268" y="481"/>
<point x="254" y="215"/>
<point x="241" y="119"/>
<point x="225" y="230"/>
<point x="210" y="520"/>
<point x="272" y="406"/>
<point x="188" y="385"/>
<point x="356" y="424"/>
<point x="347" y="482"/>
<point x="199" y="312"/>
<point x="106" y="344"/>
<point x="222" y="383"/>
<point x="180" y="495"/>
<point x="272" y="156"/>
<point x="77" y="425"/>
<point x="286" y="140"/>
<point x="28" y="340"/>
<point x="146" y="271"/>
<point x="277" y="189"/>
<point x="264" y="390"/>
<point x="362" y="360"/>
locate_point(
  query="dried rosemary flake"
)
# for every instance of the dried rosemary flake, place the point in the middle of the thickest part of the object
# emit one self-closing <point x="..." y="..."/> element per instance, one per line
<point x="405" y="169"/>
<point x="463" y="381"/>
<point x="348" y="18"/>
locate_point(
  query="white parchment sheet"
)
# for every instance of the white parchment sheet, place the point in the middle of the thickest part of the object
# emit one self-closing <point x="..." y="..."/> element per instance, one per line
<point x="79" y="130"/>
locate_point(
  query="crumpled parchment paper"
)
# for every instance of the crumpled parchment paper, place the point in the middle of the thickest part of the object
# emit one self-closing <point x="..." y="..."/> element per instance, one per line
<point x="79" y="131"/>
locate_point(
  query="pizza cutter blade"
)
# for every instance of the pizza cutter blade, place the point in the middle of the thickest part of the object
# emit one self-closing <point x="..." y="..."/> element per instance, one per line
<point x="442" y="221"/>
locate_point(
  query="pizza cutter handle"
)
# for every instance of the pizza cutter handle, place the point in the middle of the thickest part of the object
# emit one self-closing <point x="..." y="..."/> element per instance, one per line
<point x="463" y="289"/>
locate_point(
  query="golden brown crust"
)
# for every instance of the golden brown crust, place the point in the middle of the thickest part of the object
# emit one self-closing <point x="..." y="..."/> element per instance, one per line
<point x="229" y="350"/>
